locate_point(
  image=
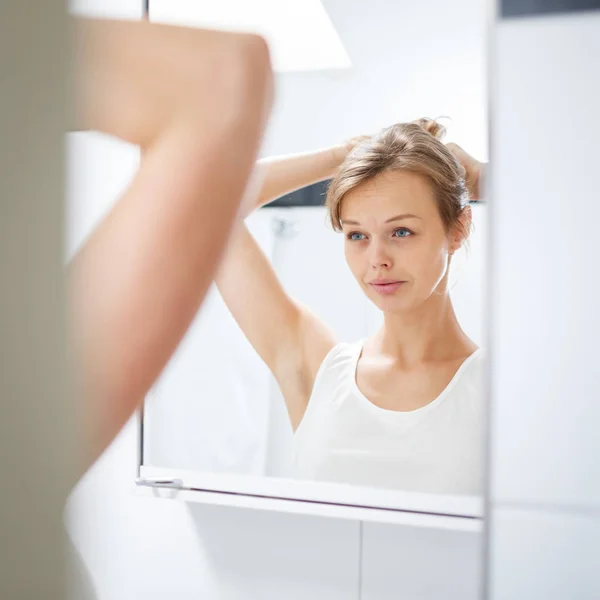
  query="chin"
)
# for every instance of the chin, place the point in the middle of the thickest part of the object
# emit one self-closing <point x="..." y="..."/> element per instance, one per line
<point x="393" y="304"/>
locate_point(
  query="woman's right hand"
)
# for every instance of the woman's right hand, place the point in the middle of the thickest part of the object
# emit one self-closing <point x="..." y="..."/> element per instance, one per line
<point x="355" y="141"/>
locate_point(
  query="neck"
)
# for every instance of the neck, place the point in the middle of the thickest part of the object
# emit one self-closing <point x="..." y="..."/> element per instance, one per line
<point x="429" y="333"/>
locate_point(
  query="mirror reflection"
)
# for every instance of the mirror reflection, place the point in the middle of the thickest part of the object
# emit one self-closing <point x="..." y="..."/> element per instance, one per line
<point x="342" y="341"/>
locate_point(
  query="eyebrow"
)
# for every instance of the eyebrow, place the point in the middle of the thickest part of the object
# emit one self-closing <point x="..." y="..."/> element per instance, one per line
<point x="396" y="218"/>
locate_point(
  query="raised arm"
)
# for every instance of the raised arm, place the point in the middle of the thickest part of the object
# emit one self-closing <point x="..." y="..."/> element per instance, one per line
<point x="290" y="339"/>
<point x="285" y="174"/>
<point x="197" y="102"/>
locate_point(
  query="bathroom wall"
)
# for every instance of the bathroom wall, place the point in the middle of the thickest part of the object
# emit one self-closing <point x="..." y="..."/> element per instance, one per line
<point x="545" y="472"/>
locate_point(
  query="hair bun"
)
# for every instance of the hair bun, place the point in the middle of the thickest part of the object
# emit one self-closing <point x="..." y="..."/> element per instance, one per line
<point x="432" y="126"/>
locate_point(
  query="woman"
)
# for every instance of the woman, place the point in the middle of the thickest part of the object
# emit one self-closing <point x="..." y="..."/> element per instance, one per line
<point x="403" y="408"/>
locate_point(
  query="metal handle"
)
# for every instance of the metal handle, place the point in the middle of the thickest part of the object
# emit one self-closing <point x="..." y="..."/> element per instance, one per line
<point x="172" y="483"/>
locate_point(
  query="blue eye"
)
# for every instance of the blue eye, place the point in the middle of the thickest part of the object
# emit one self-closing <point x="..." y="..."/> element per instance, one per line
<point x="402" y="232"/>
<point x="352" y="236"/>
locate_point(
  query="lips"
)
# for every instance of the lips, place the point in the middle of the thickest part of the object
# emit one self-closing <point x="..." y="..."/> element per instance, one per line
<point x="386" y="286"/>
<point x="384" y="281"/>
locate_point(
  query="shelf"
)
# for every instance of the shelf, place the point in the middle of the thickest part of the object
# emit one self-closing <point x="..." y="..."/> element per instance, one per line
<point x="310" y="498"/>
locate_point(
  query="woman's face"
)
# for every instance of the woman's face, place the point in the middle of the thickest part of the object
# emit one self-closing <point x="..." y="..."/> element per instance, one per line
<point x="395" y="241"/>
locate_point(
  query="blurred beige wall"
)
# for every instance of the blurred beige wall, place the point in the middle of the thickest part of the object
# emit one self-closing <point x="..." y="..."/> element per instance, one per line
<point x="37" y="437"/>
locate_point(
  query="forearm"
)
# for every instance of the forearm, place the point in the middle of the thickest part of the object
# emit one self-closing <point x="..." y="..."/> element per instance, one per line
<point x="480" y="182"/>
<point x="474" y="171"/>
<point x="139" y="279"/>
<point x="284" y="174"/>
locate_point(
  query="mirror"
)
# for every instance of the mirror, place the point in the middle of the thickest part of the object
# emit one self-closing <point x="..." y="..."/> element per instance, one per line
<point x="397" y="403"/>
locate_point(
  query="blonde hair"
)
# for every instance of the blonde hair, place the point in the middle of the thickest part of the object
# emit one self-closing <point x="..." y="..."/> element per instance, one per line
<point x="414" y="147"/>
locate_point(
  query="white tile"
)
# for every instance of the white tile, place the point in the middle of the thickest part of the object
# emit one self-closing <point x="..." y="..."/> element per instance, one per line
<point x="546" y="298"/>
<point x="420" y="563"/>
<point x="545" y="555"/>
<point x="261" y="555"/>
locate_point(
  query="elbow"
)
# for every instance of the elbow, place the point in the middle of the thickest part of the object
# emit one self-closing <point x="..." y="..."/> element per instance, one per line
<point x="254" y="59"/>
<point x="250" y="86"/>
<point x="255" y="50"/>
<point x="240" y="81"/>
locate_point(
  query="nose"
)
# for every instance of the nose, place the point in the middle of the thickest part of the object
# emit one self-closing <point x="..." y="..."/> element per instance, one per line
<point x="379" y="256"/>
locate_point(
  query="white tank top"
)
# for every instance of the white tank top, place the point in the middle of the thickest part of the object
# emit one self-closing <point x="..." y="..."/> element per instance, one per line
<point x="345" y="438"/>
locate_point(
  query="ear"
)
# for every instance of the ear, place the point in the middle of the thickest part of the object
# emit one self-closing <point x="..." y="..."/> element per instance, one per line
<point x="461" y="230"/>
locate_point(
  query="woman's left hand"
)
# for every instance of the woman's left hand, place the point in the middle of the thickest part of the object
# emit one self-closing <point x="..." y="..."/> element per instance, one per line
<point x="473" y="170"/>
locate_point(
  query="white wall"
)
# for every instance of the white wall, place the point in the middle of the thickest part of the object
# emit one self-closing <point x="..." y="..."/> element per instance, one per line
<point x="545" y="467"/>
<point x="410" y="60"/>
<point x="149" y="548"/>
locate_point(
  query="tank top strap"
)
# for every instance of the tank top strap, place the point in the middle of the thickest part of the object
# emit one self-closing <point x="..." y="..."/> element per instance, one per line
<point x="340" y="358"/>
<point x="337" y="369"/>
<point x="335" y="373"/>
